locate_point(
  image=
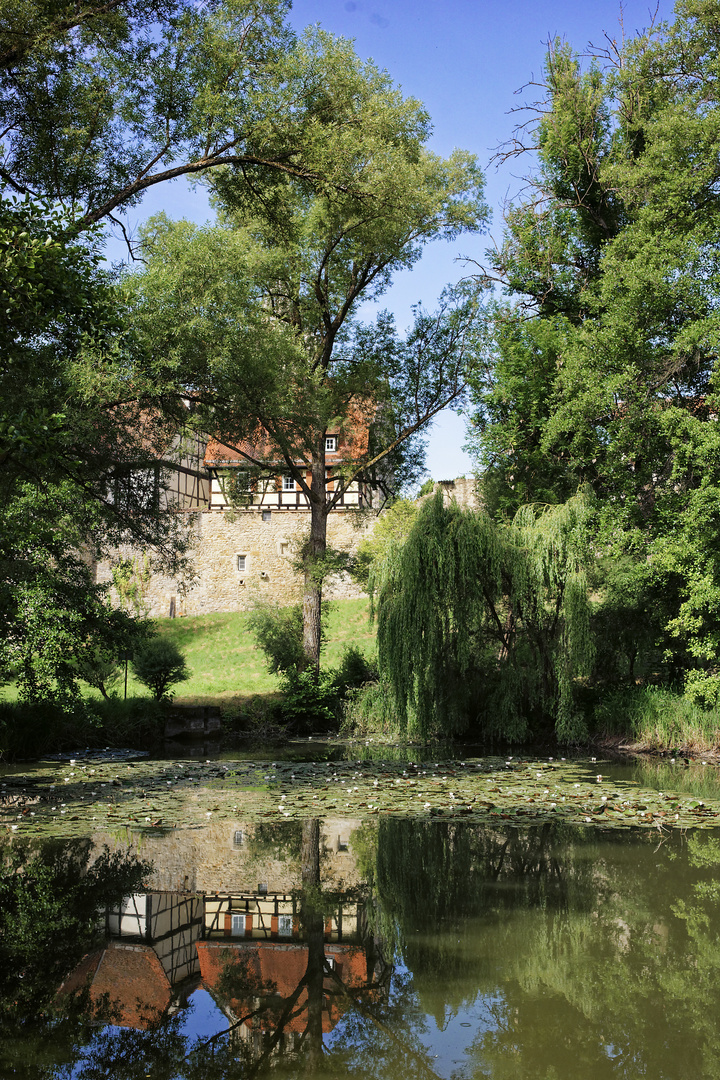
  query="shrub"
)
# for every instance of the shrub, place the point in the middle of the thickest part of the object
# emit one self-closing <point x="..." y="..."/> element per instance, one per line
<point x="370" y="709"/>
<point x="99" y="669"/>
<point x="309" y="703"/>
<point x="278" y="632"/>
<point x="355" y="670"/>
<point x="159" y="664"/>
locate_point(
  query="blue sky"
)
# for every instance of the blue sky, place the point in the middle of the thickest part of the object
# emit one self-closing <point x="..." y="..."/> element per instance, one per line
<point x="466" y="60"/>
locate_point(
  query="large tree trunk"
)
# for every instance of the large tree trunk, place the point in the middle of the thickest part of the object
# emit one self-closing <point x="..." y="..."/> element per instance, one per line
<point x="312" y="595"/>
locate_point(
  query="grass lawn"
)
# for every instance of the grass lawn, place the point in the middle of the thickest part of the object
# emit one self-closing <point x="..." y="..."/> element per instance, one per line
<point x="223" y="659"/>
<point x="225" y="664"/>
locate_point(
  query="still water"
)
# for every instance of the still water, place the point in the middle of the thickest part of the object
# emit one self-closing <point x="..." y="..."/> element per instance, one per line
<point x="340" y="947"/>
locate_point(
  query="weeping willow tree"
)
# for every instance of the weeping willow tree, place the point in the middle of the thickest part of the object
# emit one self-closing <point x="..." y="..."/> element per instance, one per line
<point x="486" y="625"/>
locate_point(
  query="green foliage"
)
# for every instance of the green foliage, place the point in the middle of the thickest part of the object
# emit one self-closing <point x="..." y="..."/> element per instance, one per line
<point x="54" y="892"/>
<point x="252" y="316"/>
<point x="278" y="632"/>
<point x="604" y="362"/>
<point x="391" y="527"/>
<point x="654" y="717"/>
<point x="354" y="670"/>
<point x="370" y="710"/>
<point x="159" y="665"/>
<point x="33" y="731"/>
<point x="484" y="626"/>
<point x="309" y="700"/>
<point x="131" y="578"/>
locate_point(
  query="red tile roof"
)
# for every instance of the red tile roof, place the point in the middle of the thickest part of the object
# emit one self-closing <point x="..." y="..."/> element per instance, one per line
<point x="284" y="965"/>
<point x="133" y="979"/>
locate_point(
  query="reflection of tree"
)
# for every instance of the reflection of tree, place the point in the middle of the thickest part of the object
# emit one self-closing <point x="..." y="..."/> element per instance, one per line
<point x="590" y="953"/>
<point x="585" y="953"/>
<point x="50" y="895"/>
<point x="314" y="1003"/>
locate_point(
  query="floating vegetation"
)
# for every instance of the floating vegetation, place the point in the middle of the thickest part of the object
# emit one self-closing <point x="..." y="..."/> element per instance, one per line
<point x="80" y="797"/>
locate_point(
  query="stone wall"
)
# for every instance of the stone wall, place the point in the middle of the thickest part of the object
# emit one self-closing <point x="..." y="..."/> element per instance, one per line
<point x="241" y="556"/>
<point x="238" y="558"/>
<point x="463" y="490"/>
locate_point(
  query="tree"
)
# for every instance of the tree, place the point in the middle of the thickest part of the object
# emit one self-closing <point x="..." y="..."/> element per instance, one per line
<point x="159" y="664"/>
<point x="252" y="318"/>
<point x="485" y="626"/>
<point x="69" y="439"/>
<point x="612" y="259"/>
<point x="101" y="100"/>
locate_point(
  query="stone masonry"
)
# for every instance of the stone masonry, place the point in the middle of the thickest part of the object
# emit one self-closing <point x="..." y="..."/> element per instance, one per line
<point x="239" y="557"/>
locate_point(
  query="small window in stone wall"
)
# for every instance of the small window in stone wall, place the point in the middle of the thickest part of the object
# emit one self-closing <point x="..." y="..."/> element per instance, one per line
<point x="238" y="838"/>
<point x="262" y="887"/>
<point x="283" y="547"/>
<point x="266" y="515"/>
<point x="241" y="563"/>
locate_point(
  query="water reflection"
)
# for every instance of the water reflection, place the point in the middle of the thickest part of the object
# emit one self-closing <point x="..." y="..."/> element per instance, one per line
<point x="400" y="947"/>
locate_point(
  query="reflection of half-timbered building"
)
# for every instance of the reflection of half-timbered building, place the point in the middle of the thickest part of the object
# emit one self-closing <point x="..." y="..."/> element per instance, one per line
<point x="150" y="956"/>
<point x="267" y="916"/>
<point x="161" y="946"/>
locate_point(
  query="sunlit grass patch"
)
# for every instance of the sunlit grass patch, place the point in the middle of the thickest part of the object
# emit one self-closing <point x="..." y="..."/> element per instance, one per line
<point x="653" y="718"/>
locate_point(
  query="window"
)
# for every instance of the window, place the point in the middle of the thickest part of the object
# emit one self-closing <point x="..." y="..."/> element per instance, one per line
<point x="238" y="838"/>
<point x="237" y="928"/>
<point x="288" y="483"/>
<point x="331" y="442"/>
<point x="285" y="925"/>
<point x="262" y="887"/>
<point x="242" y="563"/>
<point x="266" y="515"/>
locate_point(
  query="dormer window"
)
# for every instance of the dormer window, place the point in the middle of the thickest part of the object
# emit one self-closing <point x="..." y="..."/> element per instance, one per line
<point x="331" y="443"/>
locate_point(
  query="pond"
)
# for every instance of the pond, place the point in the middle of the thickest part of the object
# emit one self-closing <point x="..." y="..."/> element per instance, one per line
<point x="550" y="920"/>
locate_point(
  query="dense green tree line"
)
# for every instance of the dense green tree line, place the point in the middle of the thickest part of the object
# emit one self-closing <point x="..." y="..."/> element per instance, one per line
<point x="600" y="379"/>
<point x="604" y="368"/>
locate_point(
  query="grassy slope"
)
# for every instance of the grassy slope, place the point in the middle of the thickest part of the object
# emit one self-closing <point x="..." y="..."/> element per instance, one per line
<point x="225" y="663"/>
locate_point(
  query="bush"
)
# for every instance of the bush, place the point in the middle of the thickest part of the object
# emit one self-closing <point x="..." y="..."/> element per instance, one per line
<point x="658" y="718"/>
<point x="278" y="632"/>
<point x="32" y="731"/>
<point x="99" y="669"/>
<point x="355" y="670"/>
<point x="159" y="664"/>
<point x="370" y="709"/>
<point x="309" y="703"/>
